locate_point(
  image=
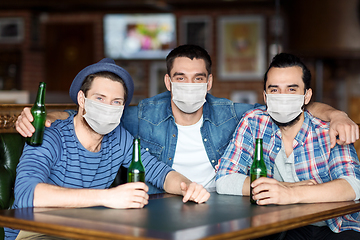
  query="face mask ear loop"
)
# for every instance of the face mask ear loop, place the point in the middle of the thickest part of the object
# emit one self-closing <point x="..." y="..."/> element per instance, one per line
<point x="171" y="84"/>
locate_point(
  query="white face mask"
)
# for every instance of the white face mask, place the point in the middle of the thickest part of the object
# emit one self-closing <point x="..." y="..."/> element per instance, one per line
<point x="284" y="108"/>
<point x="188" y="97"/>
<point x="101" y="117"/>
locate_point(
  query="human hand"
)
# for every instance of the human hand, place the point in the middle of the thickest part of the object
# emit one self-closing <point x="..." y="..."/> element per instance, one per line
<point x="194" y="192"/>
<point x="128" y="195"/>
<point x="341" y="125"/>
<point x="23" y="123"/>
<point x="270" y="191"/>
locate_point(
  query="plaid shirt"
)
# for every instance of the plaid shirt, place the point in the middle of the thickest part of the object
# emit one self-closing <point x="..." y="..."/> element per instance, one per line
<point x="313" y="156"/>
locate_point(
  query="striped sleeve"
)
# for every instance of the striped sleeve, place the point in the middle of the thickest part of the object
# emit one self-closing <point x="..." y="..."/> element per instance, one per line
<point x="34" y="167"/>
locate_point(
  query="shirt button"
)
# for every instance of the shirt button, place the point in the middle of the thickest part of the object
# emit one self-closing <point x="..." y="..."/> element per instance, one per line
<point x="278" y="149"/>
<point x="170" y="159"/>
<point x="212" y="161"/>
<point x="205" y="139"/>
<point x="174" y="135"/>
<point x="147" y="149"/>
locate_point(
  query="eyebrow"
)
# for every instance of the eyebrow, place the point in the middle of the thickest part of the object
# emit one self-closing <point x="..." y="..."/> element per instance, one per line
<point x="201" y="74"/>
<point x="102" y="95"/>
<point x="178" y="74"/>
<point x="291" y="85"/>
<point x="182" y="74"/>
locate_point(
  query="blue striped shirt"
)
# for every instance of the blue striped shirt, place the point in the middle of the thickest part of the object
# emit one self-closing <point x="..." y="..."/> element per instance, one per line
<point x="61" y="160"/>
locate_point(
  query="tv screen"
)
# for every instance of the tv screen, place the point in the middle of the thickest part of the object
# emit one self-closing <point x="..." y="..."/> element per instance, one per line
<point x="139" y="36"/>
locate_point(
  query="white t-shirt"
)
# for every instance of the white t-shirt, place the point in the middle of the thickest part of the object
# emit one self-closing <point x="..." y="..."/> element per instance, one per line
<point x="191" y="159"/>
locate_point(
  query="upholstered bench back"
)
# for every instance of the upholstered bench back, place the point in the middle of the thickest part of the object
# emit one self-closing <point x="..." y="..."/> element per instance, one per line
<point x="11" y="145"/>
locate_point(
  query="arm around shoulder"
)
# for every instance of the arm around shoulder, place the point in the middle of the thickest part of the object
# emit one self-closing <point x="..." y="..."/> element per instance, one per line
<point x="340" y="124"/>
<point x="241" y="108"/>
<point x="26" y="129"/>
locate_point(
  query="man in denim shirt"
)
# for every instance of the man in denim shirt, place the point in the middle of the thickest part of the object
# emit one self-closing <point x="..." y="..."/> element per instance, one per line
<point x="188" y="128"/>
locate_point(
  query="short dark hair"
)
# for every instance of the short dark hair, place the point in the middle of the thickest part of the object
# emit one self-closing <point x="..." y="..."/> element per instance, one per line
<point x="284" y="60"/>
<point x="189" y="51"/>
<point x="86" y="85"/>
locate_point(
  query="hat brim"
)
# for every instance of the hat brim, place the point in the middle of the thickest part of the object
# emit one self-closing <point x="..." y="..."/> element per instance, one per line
<point x="104" y="65"/>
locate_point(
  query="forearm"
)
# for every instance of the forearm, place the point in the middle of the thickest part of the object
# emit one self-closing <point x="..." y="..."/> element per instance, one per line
<point x="53" y="116"/>
<point x="172" y="182"/>
<point x="333" y="191"/>
<point x="323" y="111"/>
<point x="233" y="184"/>
<point x="301" y="183"/>
<point x="47" y="195"/>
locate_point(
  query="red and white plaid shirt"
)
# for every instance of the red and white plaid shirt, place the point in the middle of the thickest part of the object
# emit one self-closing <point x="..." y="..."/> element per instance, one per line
<point x="313" y="156"/>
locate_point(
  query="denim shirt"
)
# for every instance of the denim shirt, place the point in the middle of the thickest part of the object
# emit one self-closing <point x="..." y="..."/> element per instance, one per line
<point x="153" y="122"/>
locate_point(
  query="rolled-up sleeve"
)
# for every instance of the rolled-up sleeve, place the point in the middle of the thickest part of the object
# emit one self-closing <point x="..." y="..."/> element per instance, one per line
<point x="344" y="164"/>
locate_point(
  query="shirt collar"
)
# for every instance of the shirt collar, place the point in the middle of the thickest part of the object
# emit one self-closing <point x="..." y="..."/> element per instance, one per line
<point x="300" y="137"/>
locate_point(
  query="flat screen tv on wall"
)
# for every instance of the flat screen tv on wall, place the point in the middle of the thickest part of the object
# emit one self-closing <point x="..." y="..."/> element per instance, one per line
<point x="139" y="36"/>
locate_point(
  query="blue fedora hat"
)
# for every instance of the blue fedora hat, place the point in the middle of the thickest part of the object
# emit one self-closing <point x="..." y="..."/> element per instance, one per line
<point x="104" y="65"/>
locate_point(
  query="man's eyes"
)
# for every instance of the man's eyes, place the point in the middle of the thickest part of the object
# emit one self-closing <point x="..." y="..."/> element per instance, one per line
<point x="118" y="103"/>
<point x="115" y="102"/>
<point x="289" y="90"/>
<point x="197" y="79"/>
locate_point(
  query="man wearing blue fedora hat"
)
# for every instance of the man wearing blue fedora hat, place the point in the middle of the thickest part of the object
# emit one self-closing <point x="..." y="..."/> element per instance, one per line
<point x="81" y="155"/>
<point x="189" y="129"/>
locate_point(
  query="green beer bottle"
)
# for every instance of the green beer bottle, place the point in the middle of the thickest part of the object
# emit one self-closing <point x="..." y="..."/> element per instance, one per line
<point x="38" y="111"/>
<point x="258" y="167"/>
<point x="136" y="170"/>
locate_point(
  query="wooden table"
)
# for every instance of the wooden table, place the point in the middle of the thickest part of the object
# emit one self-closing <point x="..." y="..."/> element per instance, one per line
<point x="166" y="217"/>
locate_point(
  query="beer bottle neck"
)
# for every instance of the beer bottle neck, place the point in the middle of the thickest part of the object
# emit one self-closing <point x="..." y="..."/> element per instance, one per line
<point x="258" y="149"/>
<point x="40" y="97"/>
<point x="136" y="152"/>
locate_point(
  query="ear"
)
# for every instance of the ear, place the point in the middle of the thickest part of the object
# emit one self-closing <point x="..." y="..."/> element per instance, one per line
<point x="167" y="82"/>
<point x="308" y="96"/>
<point x="264" y="96"/>
<point x="210" y="82"/>
<point x="81" y="99"/>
